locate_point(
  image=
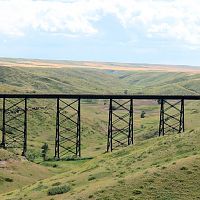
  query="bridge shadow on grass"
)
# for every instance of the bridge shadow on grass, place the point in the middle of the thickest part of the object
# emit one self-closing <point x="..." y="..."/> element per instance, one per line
<point x="70" y="159"/>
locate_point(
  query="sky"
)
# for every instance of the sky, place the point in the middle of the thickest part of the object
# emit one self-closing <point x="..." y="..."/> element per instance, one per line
<point x="133" y="31"/>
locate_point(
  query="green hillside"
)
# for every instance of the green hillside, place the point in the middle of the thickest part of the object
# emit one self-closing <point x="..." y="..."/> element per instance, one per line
<point x="160" y="168"/>
<point x="75" y="80"/>
<point x="57" y="80"/>
<point x="154" y="168"/>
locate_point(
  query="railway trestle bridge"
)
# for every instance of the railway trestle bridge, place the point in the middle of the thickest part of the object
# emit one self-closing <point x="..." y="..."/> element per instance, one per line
<point x="120" y="125"/>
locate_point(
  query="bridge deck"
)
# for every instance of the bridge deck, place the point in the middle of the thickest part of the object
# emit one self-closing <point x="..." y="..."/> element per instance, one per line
<point x="100" y="96"/>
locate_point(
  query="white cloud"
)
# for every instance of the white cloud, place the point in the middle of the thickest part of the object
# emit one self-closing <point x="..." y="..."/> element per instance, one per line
<point x="171" y="19"/>
<point x="16" y="16"/>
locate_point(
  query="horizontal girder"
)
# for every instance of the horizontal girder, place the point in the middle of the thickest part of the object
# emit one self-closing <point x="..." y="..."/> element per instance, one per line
<point x="100" y="96"/>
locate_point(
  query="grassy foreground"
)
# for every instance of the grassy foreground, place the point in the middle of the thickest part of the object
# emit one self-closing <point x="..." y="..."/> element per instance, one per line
<point x="159" y="168"/>
<point x="15" y="171"/>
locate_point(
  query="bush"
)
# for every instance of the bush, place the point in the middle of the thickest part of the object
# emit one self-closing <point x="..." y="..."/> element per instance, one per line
<point x="137" y="192"/>
<point x="125" y="91"/>
<point x="44" y="150"/>
<point x="183" y="168"/>
<point x="143" y="114"/>
<point x="50" y="164"/>
<point x="114" y="107"/>
<point x="91" y="178"/>
<point x="58" y="190"/>
<point x="31" y="155"/>
<point x="8" y="179"/>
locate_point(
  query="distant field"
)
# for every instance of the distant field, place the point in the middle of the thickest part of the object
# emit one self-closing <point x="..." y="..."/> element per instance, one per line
<point x="97" y="65"/>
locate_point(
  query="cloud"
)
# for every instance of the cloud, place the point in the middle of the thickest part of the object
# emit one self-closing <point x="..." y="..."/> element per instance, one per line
<point x="17" y="16"/>
<point x="168" y="19"/>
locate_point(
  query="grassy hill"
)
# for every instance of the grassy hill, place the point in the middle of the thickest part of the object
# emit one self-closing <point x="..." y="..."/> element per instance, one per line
<point x="154" y="168"/>
<point x="57" y="80"/>
<point x="159" y="168"/>
<point x="85" y="80"/>
<point x="15" y="171"/>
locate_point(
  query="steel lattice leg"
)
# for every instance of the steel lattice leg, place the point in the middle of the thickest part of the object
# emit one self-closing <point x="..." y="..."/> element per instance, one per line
<point x="68" y="123"/>
<point x="78" y="136"/>
<point x="120" y="124"/>
<point x="109" y="141"/>
<point x="57" y="145"/>
<point x="14" y="129"/>
<point x="162" y="124"/>
<point x="171" y="117"/>
<point x="130" y="136"/>
<point x="25" y="128"/>
<point x="3" y="144"/>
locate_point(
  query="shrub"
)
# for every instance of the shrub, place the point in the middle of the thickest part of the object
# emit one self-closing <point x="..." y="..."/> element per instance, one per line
<point x="58" y="190"/>
<point x="8" y="179"/>
<point x="183" y="168"/>
<point x="137" y="192"/>
<point x="91" y="178"/>
<point x="31" y="155"/>
<point x="114" y="107"/>
<point x="50" y="164"/>
<point x="143" y="114"/>
<point x="44" y="150"/>
<point x="125" y="91"/>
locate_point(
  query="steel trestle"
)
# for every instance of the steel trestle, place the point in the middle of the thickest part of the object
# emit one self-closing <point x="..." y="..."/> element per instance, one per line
<point x="68" y="120"/>
<point x="171" y="116"/>
<point x="14" y="128"/>
<point x="67" y="141"/>
<point x="120" y="125"/>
